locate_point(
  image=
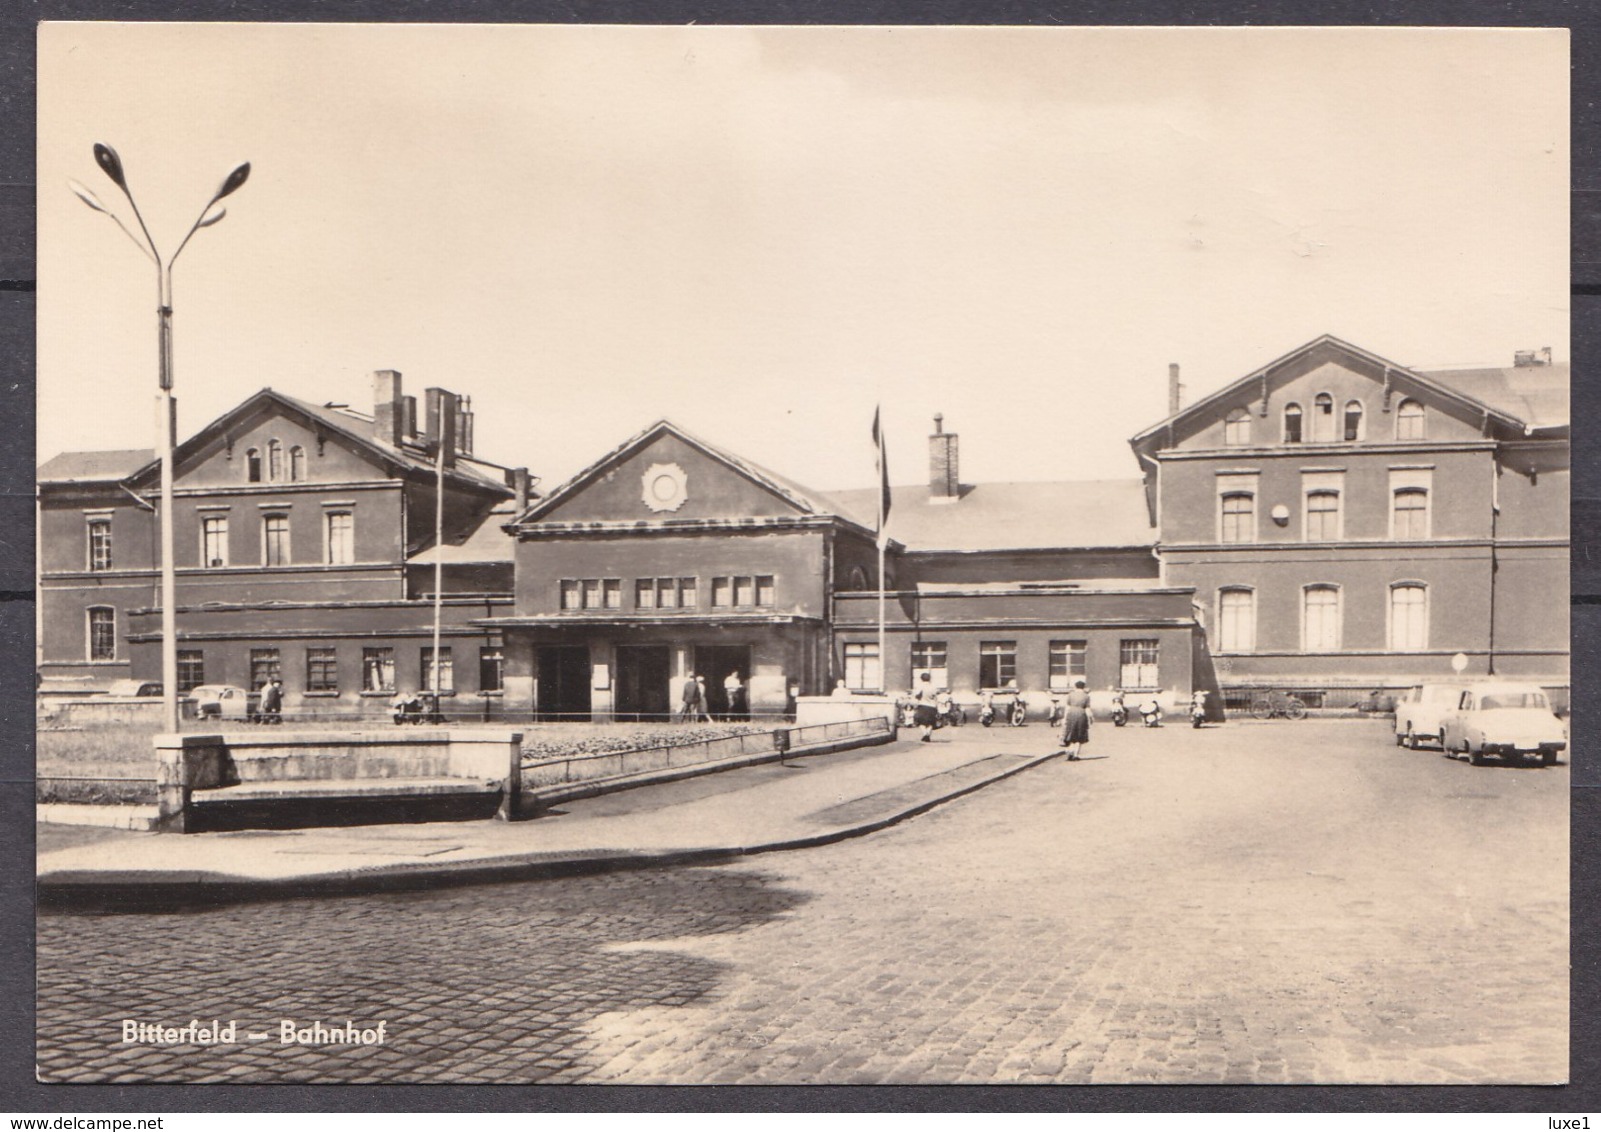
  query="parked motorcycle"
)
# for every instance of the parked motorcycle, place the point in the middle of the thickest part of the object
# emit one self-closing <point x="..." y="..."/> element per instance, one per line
<point x="419" y="708"/>
<point x="1119" y="710"/>
<point x="986" y="708"/>
<point x="950" y="712"/>
<point x="1058" y="710"/>
<point x="1019" y="713"/>
<point x="1198" y="709"/>
<point x="1151" y="712"/>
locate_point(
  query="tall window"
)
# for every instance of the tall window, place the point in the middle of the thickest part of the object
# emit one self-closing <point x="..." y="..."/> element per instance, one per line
<point x="491" y="669"/>
<point x="688" y="594"/>
<point x="1236" y="620"/>
<point x="997" y="664"/>
<point x="275" y="540"/>
<point x="102" y="633"/>
<point x="264" y="666"/>
<point x="1137" y="664"/>
<point x="322" y="669"/>
<point x="1409" y="617"/>
<point x="1353" y="420"/>
<point x="1067" y="664"/>
<point x="1323" y="417"/>
<point x="339" y="528"/>
<point x="99" y="544"/>
<point x="666" y="593"/>
<point x="1409" y="420"/>
<point x="723" y="597"/>
<point x="297" y="464"/>
<point x="571" y="596"/>
<point x="764" y="590"/>
<point x="447" y="669"/>
<point x="930" y="657"/>
<point x="275" y="461"/>
<point x="253" y="465"/>
<point x="1292" y="423"/>
<point x="1322" y="516"/>
<point x="1237" y="427"/>
<point x="191" y="669"/>
<point x="378" y="670"/>
<point x="1320" y="619"/>
<point x="861" y="667"/>
<point x="744" y="591"/>
<point x="1411" y="513"/>
<point x="645" y="593"/>
<point x="1239" y="517"/>
<point x="611" y="593"/>
<point x="214" y="541"/>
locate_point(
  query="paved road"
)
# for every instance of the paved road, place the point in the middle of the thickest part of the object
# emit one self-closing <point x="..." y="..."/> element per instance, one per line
<point x="1249" y="903"/>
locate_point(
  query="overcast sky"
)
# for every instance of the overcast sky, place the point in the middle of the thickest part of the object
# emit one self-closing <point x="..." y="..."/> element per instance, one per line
<point x="759" y="233"/>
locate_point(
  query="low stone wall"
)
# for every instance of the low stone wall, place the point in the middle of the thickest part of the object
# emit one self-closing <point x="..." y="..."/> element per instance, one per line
<point x="55" y="711"/>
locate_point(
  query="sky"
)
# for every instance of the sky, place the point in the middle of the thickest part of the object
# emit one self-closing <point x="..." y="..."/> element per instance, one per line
<point x="762" y="233"/>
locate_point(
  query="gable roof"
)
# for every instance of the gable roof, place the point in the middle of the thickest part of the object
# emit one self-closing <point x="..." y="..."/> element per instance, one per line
<point x="803" y="499"/>
<point x="1537" y="395"/>
<point x="1441" y="383"/>
<point x="1015" y="516"/>
<point x="93" y="467"/>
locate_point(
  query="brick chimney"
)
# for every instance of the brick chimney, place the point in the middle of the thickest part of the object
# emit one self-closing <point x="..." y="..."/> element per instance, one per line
<point x="441" y="413"/>
<point x="464" y="425"/>
<point x="522" y="486"/>
<point x="944" y="476"/>
<point x="1175" y="391"/>
<point x="388" y="406"/>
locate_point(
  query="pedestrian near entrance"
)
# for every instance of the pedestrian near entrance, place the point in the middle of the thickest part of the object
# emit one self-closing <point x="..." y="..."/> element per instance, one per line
<point x="1076" y="720"/>
<point x="701" y="711"/>
<point x="272" y="701"/>
<point x="926" y="713"/>
<point x="689" y="708"/>
<point x="733" y="692"/>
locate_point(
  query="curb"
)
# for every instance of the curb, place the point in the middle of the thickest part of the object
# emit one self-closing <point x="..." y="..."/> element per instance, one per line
<point x="83" y="891"/>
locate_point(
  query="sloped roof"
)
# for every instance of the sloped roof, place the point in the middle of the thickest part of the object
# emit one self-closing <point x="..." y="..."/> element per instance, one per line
<point x="1536" y="395"/>
<point x="488" y="543"/>
<point x="94" y="467"/>
<point x="1013" y="516"/>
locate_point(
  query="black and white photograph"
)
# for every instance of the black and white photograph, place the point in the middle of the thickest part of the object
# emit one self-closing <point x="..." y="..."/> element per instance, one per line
<point x="802" y="555"/>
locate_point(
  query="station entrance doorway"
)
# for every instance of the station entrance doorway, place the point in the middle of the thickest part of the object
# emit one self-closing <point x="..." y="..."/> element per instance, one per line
<point x="564" y="679"/>
<point x="715" y="662"/>
<point x="644" y="683"/>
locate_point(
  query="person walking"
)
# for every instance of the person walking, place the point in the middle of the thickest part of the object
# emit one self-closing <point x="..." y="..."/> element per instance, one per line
<point x="701" y="711"/>
<point x="1076" y="720"/>
<point x="733" y="690"/>
<point x="272" y="701"/>
<point x="690" y="700"/>
<point x="926" y="713"/>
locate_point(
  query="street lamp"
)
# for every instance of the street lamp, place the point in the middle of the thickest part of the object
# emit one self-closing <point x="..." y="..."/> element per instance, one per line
<point x="167" y="406"/>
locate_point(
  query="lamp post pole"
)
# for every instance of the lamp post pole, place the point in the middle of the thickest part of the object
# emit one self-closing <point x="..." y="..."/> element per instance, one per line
<point x="166" y="403"/>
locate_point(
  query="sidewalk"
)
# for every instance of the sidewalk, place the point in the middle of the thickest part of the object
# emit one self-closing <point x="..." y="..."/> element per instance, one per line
<point x="809" y="800"/>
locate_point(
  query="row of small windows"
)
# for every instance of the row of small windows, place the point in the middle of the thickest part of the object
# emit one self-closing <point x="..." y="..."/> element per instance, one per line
<point x="377" y="669"/>
<point x="746" y="591"/>
<point x="1323" y="517"/>
<point x="338" y="543"/>
<point x="1067" y="661"/>
<point x="1322" y="617"/>
<point x="276" y="465"/>
<point x="1325" y="427"/>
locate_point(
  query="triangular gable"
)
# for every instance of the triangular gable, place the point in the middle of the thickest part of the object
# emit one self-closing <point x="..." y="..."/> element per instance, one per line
<point x="716" y="484"/>
<point x="1410" y="380"/>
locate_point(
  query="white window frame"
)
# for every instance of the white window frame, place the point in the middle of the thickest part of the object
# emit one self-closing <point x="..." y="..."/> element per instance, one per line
<point x="1361" y="420"/>
<point x="1139" y="675"/>
<point x="938" y="674"/>
<point x="1391" y="628"/>
<point x="447" y="669"/>
<point x="1237" y="428"/>
<point x="288" y="557"/>
<point x="329" y="558"/>
<point x="1317" y="483"/>
<point x="1339" y="617"/>
<point x="1069" y="649"/>
<point x="1241" y="642"/>
<point x="999" y="650"/>
<point x="863" y="666"/>
<point x="1421" y="416"/>
<point x="1413" y="479"/>
<point x="207" y="544"/>
<point x="1249" y="518"/>
<point x="1300" y="418"/>
<point x="92" y="524"/>
<point x="89" y="634"/>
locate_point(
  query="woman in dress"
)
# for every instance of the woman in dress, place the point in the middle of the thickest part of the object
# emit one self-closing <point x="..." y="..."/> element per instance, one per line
<point x="925" y="714"/>
<point x="1076" y="720"/>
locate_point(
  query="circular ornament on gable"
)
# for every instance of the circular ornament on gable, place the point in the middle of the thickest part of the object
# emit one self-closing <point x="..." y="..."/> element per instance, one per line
<point x="665" y="487"/>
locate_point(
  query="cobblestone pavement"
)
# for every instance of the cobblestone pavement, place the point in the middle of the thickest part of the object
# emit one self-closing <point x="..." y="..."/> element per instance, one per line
<point x="1249" y="903"/>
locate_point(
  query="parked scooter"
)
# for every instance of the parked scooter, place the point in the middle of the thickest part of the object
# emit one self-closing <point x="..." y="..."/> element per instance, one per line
<point x="416" y="707"/>
<point x="1058" y="710"/>
<point x="1119" y="710"/>
<point x="1198" y="708"/>
<point x="986" y="708"/>
<point x="950" y="712"/>
<point x="1151" y="712"/>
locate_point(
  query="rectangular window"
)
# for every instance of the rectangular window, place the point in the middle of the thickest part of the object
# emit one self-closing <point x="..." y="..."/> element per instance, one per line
<point x="612" y="592"/>
<point x="341" y="537"/>
<point x="764" y="590"/>
<point x="99" y="544"/>
<point x="1411" y="513"/>
<point x="688" y="594"/>
<point x="1137" y="664"/>
<point x="571" y="597"/>
<point x="191" y="669"/>
<point x="722" y="593"/>
<point x="322" y="670"/>
<point x="1238" y="518"/>
<point x="1067" y="664"/>
<point x="591" y="593"/>
<point x="997" y="664"/>
<point x="1320" y="619"/>
<point x="930" y="657"/>
<point x="447" y="670"/>
<point x="214" y="541"/>
<point x="264" y="666"/>
<point x="1236" y="621"/>
<point x="491" y="669"/>
<point x="378" y="670"/>
<point x="275" y="540"/>
<point x="666" y="593"/>
<point x="1409" y="618"/>
<point x="102" y="634"/>
<point x="861" y="667"/>
<point x="1322" y="516"/>
<point x="744" y="592"/>
<point x="645" y="593"/>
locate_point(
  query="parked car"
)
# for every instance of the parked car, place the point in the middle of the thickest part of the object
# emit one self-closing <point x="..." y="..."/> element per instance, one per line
<point x="220" y="701"/>
<point x="1508" y="721"/>
<point x="138" y="688"/>
<point x="1419" y="712"/>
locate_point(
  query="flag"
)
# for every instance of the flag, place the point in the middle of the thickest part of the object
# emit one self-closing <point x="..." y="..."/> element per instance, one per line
<point x="883" y="474"/>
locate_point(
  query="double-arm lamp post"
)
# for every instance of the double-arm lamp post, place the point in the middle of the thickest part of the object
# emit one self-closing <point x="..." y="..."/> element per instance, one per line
<point x="167" y="424"/>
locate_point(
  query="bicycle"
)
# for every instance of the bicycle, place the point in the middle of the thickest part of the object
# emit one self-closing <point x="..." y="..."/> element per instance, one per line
<point x="1275" y="705"/>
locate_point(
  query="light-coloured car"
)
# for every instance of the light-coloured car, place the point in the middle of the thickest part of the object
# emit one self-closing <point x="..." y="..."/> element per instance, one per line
<point x="1504" y="720"/>
<point x="1419" y="712"/>
<point x="220" y="701"/>
<point x="134" y="688"/>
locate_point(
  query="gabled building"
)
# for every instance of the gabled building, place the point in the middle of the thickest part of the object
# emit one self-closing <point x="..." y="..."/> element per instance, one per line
<point x="1350" y="523"/>
<point x="305" y="549"/>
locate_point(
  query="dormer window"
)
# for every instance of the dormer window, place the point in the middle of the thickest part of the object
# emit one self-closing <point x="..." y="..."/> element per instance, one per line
<point x="1292" y="423"/>
<point x="1353" y="420"/>
<point x="1323" y="417"/>
<point x="1237" y="428"/>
